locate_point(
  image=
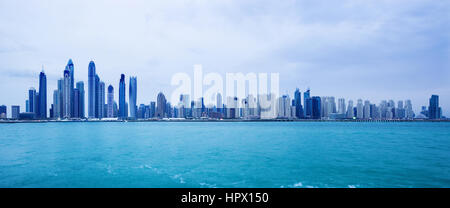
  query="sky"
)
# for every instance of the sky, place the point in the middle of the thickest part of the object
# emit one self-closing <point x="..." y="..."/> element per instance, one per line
<point x="373" y="50"/>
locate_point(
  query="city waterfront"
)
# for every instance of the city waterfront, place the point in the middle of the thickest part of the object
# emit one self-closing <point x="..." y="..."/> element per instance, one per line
<point x="225" y="154"/>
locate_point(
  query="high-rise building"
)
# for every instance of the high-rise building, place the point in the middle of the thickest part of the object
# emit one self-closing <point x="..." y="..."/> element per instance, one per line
<point x="267" y="106"/>
<point x="91" y="90"/>
<point x="122" y="107"/>
<point x="409" y="113"/>
<point x="152" y="109"/>
<point x="133" y="97"/>
<point x="110" y="111"/>
<point x="341" y="106"/>
<point x="307" y="102"/>
<point x="161" y="107"/>
<point x="126" y="109"/>
<point x="15" y="111"/>
<point x="115" y="110"/>
<point x="32" y="100"/>
<point x="359" y="109"/>
<point x="3" y="113"/>
<point x="316" y="107"/>
<point x="298" y="104"/>
<point x="350" y="109"/>
<point x="56" y="104"/>
<point x="71" y="69"/>
<point x="433" y="108"/>
<point x="400" y="112"/>
<point x="42" y="96"/>
<point x="219" y="102"/>
<point x="284" y="106"/>
<point x="366" y="110"/>
<point x="97" y="96"/>
<point x="141" y="112"/>
<point x="60" y="97"/>
<point x="101" y="99"/>
<point x="80" y="87"/>
<point x="67" y="94"/>
<point x="76" y="104"/>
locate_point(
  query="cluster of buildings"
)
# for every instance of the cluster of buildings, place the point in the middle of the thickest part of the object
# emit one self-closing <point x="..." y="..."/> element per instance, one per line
<point x="69" y="104"/>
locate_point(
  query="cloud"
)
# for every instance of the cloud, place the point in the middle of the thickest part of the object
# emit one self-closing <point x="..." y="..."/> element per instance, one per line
<point x="370" y="49"/>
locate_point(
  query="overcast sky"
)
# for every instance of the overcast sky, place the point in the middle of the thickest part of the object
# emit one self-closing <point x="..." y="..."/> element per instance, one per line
<point x="353" y="49"/>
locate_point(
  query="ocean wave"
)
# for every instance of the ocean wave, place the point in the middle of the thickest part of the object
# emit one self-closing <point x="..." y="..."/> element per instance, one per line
<point x="208" y="185"/>
<point x="178" y="176"/>
<point x="156" y="170"/>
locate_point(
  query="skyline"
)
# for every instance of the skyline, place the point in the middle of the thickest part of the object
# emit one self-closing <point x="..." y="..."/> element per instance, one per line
<point x="372" y="50"/>
<point x="71" y="106"/>
<point x="69" y="102"/>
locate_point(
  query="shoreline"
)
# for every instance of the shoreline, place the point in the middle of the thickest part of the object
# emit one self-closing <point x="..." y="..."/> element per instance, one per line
<point x="224" y="120"/>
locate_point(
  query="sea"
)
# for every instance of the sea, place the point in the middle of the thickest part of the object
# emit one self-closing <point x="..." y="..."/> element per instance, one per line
<point x="225" y="154"/>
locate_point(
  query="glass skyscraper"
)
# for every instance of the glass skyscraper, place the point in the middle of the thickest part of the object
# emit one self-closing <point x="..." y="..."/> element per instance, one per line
<point x="71" y="69"/>
<point x="110" y="102"/>
<point x="307" y="102"/>
<point x="42" y="96"/>
<point x="122" y="104"/>
<point x="161" y="106"/>
<point x="76" y="103"/>
<point x="67" y="94"/>
<point x="101" y="98"/>
<point x="3" y="113"/>
<point x="433" y="109"/>
<point x="91" y="90"/>
<point x="316" y="107"/>
<point x="32" y="100"/>
<point x="133" y="97"/>
<point x="298" y="104"/>
<point x="80" y="88"/>
<point x="15" y="111"/>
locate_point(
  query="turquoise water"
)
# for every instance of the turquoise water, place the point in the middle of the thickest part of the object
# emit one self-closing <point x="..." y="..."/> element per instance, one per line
<point x="225" y="154"/>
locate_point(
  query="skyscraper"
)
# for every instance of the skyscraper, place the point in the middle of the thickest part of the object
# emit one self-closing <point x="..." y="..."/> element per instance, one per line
<point x="67" y="95"/>
<point x="316" y="107"/>
<point x="110" y="110"/>
<point x="307" y="102"/>
<point x="433" y="108"/>
<point x="366" y="110"/>
<point x="409" y="113"/>
<point x="91" y="90"/>
<point x="298" y="104"/>
<point x="122" y="103"/>
<point x="3" y="113"/>
<point x="71" y="69"/>
<point x="133" y="97"/>
<point x="60" y="97"/>
<point x="161" y="107"/>
<point x="359" y="109"/>
<point x="341" y="106"/>
<point x="42" y="96"/>
<point x="15" y="111"/>
<point x="80" y="87"/>
<point x="284" y="107"/>
<point x="152" y="109"/>
<point x="97" y="96"/>
<point x="32" y="100"/>
<point x="101" y="98"/>
<point x="76" y="103"/>
<point x="56" y="104"/>
<point x="219" y="102"/>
